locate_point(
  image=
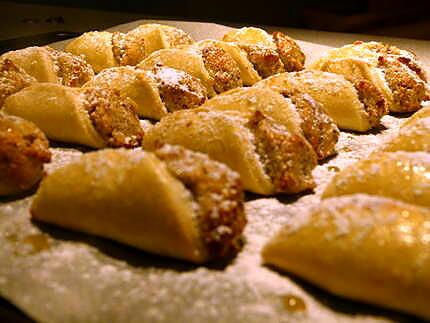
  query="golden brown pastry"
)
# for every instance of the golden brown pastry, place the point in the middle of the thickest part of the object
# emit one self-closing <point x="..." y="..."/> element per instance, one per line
<point x="171" y="202"/>
<point x="400" y="175"/>
<point x="415" y="136"/>
<point x="270" y="54"/>
<point x="318" y="128"/>
<point x="423" y="113"/>
<point x="353" y="106"/>
<point x="23" y="151"/>
<point x="395" y="72"/>
<point x="103" y="49"/>
<point x="94" y="117"/>
<point x="269" y="158"/>
<point x="12" y="79"/>
<point x="49" y="65"/>
<point x="155" y="92"/>
<point x="367" y="248"/>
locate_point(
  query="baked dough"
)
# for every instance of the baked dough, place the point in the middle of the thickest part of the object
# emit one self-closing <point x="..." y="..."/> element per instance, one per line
<point x="155" y="92"/>
<point x="400" y="175"/>
<point x="172" y="202"/>
<point x="23" y="151"/>
<point x="366" y="248"/>
<point x="423" y="113"/>
<point x="103" y="49"/>
<point x="413" y="137"/>
<point x="49" y="65"/>
<point x="395" y="72"/>
<point x="12" y="79"/>
<point x="269" y="158"/>
<point x="269" y="53"/>
<point x="357" y="107"/>
<point x="95" y="117"/>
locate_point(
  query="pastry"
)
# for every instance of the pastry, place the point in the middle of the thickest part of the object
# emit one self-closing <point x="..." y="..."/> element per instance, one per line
<point x="367" y="248"/>
<point x="395" y="72"/>
<point x="352" y="106"/>
<point x="269" y="53"/>
<point x="400" y="175"/>
<point x="95" y="117"/>
<point x="170" y="202"/>
<point x="415" y="136"/>
<point x="23" y="151"/>
<point x="12" y="79"/>
<point x="155" y="92"/>
<point x="269" y="158"/>
<point x="422" y="113"/>
<point x="104" y="49"/>
<point x="49" y="65"/>
<point x="318" y="128"/>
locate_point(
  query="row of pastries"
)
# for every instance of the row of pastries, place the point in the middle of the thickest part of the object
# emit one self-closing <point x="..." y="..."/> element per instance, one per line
<point x="231" y="115"/>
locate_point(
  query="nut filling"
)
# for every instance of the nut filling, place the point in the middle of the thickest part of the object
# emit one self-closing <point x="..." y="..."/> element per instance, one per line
<point x="217" y="192"/>
<point x="12" y="79"/>
<point x="289" y="52"/>
<point x="288" y="159"/>
<point x="114" y="117"/>
<point x="318" y="128"/>
<point x="178" y="90"/>
<point x="373" y="101"/>
<point x="409" y="90"/>
<point x="72" y="70"/>
<point x="265" y="60"/>
<point x="23" y="150"/>
<point x="222" y="68"/>
<point x="128" y="49"/>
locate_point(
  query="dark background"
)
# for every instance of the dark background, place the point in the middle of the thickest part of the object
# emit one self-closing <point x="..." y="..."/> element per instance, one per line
<point x="398" y="18"/>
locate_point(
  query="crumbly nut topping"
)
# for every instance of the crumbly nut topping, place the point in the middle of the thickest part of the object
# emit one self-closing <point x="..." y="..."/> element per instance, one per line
<point x="23" y="150"/>
<point x="373" y="101"/>
<point x="113" y="116"/>
<point x="217" y="190"/>
<point x="408" y="89"/>
<point x="128" y="48"/>
<point x="222" y="67"/>
<point x="289" y="52"/>
<point x="12" y="79"/>
<point x="177" y="37"/>
<point x="72" y="70"/>
<point x="178" y="89"/>
<point x="288" y="159"/>
<point x="265" y="59"/>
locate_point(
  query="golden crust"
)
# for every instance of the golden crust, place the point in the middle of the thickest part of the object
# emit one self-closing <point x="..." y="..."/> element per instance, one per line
<point x="178" y="89"/>
<point x="114" y="117"/>
<point x="23" y="151"/>
<point x="222" y="67"/>
<point x="12" y="79"/>
<point x="373" y="101"/>
<point x="217" y="192"/>
<point x="289" y="52"/>
<point x="287" y="158"/>
<point x="408" y="89"/>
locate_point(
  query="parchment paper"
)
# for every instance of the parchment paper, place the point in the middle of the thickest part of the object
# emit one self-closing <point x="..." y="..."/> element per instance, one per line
<point x="54" y="275"/>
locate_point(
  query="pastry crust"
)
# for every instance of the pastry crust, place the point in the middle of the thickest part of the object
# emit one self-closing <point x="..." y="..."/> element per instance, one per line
<point x="400" y="175"/>
<point x="413" y="137"/>
<point x="397" y="73"/>
<point x="422" y="113"/>
<point x="94" y="117"/>
<point x="23" y="151"/>
<point x="350" y="246"/>
<point x="270" y="54"/>
<point x="170" y="217"/>
<point x="269" y="158"/>
<point x="46" y="64"/>
<point x="12" y="79"/>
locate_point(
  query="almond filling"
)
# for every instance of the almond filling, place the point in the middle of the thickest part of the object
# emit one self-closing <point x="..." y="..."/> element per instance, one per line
<point x="373" y="101"/>
<point x="289" y="52"/>
<point x="217" y="192"/>
<point x="265" y="60"/>
<point x="12" y="79"/>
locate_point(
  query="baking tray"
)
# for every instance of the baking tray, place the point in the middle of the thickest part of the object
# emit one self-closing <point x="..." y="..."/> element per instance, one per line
<point x="54" y="275"/>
